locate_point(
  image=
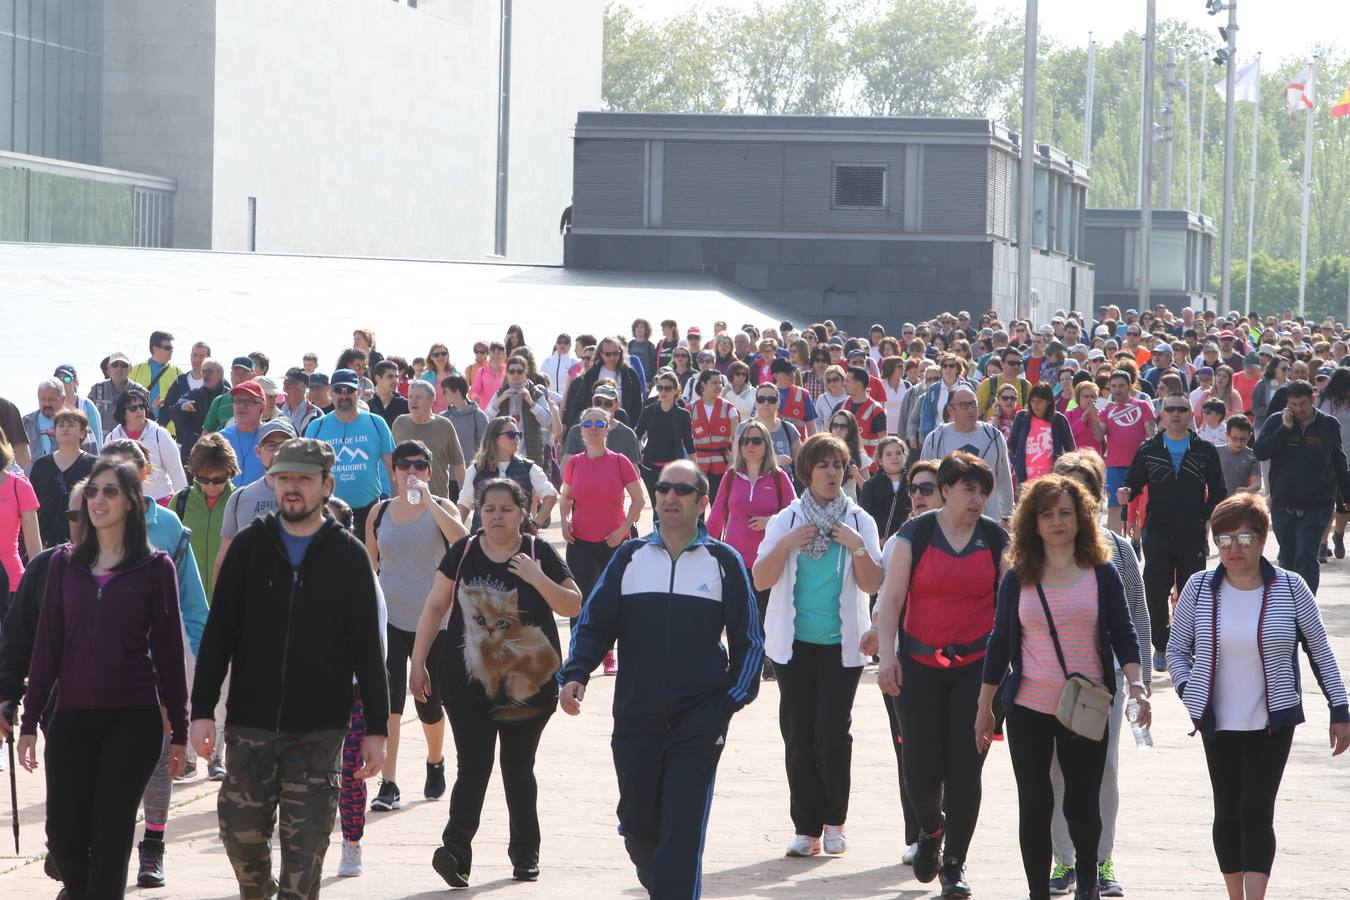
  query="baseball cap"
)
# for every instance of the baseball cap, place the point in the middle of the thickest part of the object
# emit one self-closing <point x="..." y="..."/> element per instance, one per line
<point x="1204" y="372"/>
<point x="606" y="391"/>
<point x="345" y="377"/>
<point x="836" y="341"/>
<point x="1096" y="353"/>
<point x="1161" y="347"/>
<point x="117" y="356"/>
<point x="1226" y="334"/>
<point x="306" y="456"/>
<point x="295" y="373"/>
<point x="1324" y="372"/>
<point x="856" y="351"/>
<point x="249" y="389"/>
<point x="1251" y="359"/>
<point x="65" y="370"/>
<point x="318" y="380"/>
<point x="279" y="425"/>
<point x="242" y="362"/>
<point x="269" y="387"/>
<point x="1266" y="350"/>
<point x="1046" y="329"/>
<point x="1079" y="348"/>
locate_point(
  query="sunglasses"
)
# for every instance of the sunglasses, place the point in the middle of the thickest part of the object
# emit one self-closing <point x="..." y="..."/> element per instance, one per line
<point x="109" y="491"/>
<point x="271" y="446"/>
<point x="1012" y="397"/>
<point x="926" y="488"/>
<point x="839" y="426"/>
<point x="515" y="371"/>
<point x="1244" y="539"/>
<point x="682" y="490"/>
<point x="771" y="399"/>
<point x="612" y="354"/>
<point x="168" y="347"/>
<point x="755" y="441"/>
<point x="513" y="435"/>
<point x="1012" y="364"/>
<point x="421" y="465"/>
<point x="203" y="480"/>
<point x="665" y="388"/>
<point x="344" y="389"/>
<point x="1176" y="409"/>
<point x="72" y="515"/>
<point x="966" y="404"/>
<point x="595" y="423"/>
<point x="137" y="407"/>
<point x="439" y="354"/>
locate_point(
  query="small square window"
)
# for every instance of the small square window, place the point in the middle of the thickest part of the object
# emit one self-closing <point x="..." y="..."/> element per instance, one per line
<point x="859" y="187"/>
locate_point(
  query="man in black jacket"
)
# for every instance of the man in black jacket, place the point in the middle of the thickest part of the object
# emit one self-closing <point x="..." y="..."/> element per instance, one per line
<point x="294" y="616"/>
<point x="186" y="411"/>
<point x="1185" y="482"/>
<point x="1307" y="468"/>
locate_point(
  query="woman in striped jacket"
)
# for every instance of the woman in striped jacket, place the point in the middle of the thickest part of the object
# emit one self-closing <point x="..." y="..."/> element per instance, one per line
<point x="1234" y="661"/>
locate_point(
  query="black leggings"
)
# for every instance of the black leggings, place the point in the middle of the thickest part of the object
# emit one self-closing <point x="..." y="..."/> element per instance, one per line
<point x="396" y="663"/>
<point x="897" y="741"/>
<point x="475" y="740"/>
<point x="941" y="764"/>
<point x="586" y="560"/>
<point x="1245" y="768"/>
<point x="98" y="764"/>
<point x="1034" y="739"/>
<point x="815" y="706"/>
<point x="1168" y="561"/>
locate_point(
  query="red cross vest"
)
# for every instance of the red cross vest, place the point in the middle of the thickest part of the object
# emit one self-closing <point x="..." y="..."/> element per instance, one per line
<point x="712" y="436"/>
<point x="793" y="408"/>
<point x="866" y="413"/>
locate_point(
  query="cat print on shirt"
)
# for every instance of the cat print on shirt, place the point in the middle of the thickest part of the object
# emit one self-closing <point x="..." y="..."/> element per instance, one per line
<point x="512" y="660"/>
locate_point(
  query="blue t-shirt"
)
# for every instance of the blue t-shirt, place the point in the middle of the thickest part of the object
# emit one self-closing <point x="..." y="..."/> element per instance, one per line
<point x="1178" y="451"/>
<point x="360" y="447"/>
<point x="295" y="545"/>
<point x="815" y="597"/>
<point x="244" y="442"/>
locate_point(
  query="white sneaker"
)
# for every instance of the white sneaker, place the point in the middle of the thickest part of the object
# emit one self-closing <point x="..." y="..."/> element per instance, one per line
<point x="910" y="852"/>
<point x="802" y="845"/>
<point x="350" y="866"/>
<point x="834" y="840"/>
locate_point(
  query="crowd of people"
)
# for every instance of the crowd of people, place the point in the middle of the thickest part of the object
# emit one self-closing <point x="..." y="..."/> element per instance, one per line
<point x="215" y="567"/>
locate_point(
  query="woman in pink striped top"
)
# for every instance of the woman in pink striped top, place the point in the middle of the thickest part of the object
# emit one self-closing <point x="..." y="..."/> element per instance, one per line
<point x="1060" y="565"/>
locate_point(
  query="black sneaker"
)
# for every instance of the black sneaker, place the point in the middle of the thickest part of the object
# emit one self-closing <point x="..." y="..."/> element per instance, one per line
<point x="951" y="877"/>
<point x="150" y="873"/>
<point x="435" y="785"/>
<point x="1107" y="885"/>
<point x="528" y="872"/>
<point x="387" y="799"/>
<point x="446" y="866"/>
<point x="189" y="772"/>
<point x="1138" y="550"/>
<point x="1323" y="553"/>
<point x="1338" y="542"/>
<point x="1063" y="879"/>
<point x="929" y="858"/>
<point x="766" y="671"/>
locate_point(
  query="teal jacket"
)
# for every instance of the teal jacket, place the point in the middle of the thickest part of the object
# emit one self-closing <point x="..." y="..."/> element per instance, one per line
<point x="166" y="533"/>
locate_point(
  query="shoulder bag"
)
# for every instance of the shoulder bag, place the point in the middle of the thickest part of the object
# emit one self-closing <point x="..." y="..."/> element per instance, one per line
<point x="1084" y="705"/>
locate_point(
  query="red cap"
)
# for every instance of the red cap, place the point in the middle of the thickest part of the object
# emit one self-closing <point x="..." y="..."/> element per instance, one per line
<point x="250" y="389"/>
<point x="1227" y="334"/>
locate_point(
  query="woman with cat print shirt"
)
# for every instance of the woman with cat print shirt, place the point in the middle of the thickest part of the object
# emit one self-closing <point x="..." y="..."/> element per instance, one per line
<point x="502" y="588"/>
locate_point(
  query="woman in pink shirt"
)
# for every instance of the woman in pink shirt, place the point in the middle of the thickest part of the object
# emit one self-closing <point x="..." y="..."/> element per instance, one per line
<point x="1085" y="421"/>
<point x="593" y="521"/>
<point x="18" y="513"/>
<point x="752" y="492"/>
<point x="490" y="375"/>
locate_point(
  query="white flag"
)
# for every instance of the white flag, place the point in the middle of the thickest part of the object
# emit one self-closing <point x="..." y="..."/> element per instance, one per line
<point x="1299" y="93"/>
<point x="1248" y="86"/>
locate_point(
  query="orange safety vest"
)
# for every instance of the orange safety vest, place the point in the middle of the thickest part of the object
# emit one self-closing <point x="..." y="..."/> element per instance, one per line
<point x="712" y="436"/>
<point x="793" y="409"/>
<point x="866" y="414"/>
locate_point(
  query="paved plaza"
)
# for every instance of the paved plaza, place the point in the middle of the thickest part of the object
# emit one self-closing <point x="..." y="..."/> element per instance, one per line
<point x="1162" y="847"/>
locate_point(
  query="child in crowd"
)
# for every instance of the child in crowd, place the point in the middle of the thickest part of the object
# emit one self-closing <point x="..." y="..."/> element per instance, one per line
<point x="1241" y="471"/>
<point x="1212" y="427"/>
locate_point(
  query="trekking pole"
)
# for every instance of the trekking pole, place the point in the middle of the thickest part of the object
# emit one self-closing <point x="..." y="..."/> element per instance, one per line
<point x="13" y="781"/>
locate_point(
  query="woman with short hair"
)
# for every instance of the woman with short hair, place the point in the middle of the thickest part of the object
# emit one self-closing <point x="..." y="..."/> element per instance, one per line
<point x="665" y="430"/>
<point x="54" y="475"/>
<point x="740" y="392"/>
<point x="201" y="505"/>
<point x="132" y="414"/>
<point x="1233" y="657"/>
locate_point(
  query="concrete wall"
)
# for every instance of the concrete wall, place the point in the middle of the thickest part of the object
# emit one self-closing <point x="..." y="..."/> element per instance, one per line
<point x="158" y="101"/>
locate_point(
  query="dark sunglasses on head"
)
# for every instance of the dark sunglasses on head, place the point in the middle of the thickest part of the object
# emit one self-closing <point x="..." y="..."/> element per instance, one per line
<point x="203" y="480"/>
<point x="771" y="399"/>
<point x="1244" y="538"/>
<point x="752" y="441"/>
<point x="420" y="465"/>
<point x="682" y="490"/>
<point x="925" y="488"/>
<point x="109" y="491"/>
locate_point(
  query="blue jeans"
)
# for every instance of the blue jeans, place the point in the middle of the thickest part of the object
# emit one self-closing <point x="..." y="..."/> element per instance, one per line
<point x="1299" y="532"/>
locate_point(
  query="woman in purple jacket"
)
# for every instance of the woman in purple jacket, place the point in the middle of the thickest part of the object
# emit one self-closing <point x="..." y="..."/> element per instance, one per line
<point x="110" y="634"/>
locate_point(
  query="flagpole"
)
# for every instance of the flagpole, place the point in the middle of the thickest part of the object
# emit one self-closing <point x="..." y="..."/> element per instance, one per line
<point x="1309" y="92"/>
<point x="1200" y="148"/>
<point x="1026" y="171"/>
<point x="1230" y="92"/>
<point x="1251" y="204"/>
<point x="1146" y="162"/>
<point x="1087" y="103"/>
<point x="1145" y="131"/>
<point x="1186" y="78"/>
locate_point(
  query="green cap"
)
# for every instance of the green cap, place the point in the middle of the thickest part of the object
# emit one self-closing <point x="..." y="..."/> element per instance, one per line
<point x="303" y="455"/>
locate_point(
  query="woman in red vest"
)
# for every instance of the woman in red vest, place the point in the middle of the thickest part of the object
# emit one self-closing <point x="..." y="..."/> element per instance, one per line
<point x="713" y="421"/>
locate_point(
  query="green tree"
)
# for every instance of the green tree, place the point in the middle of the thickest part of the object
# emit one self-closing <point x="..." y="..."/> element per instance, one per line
<point x="789" y="59"/>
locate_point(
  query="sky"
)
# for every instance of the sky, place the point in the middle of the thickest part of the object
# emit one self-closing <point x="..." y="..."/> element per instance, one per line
<point x="1280" y="29"/>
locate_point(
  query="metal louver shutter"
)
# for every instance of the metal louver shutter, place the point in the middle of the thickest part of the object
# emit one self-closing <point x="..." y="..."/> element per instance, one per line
<point x="954" y="189"/>
<point x="608" y="183"/>
<point x="859" y="187"/>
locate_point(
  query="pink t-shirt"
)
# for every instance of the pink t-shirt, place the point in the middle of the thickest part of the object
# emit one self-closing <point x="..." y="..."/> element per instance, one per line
<point x="1083" y="438"/>
<point x="16" y="498"/>
<point x="1125" y="429"/>
<point x="1040" y="449"/>
<point x="1075" y="612"/>
<point x="597" y="486"/>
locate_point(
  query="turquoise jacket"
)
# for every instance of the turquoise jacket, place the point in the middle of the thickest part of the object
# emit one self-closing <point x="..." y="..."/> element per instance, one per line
<point x="167" y="533"/>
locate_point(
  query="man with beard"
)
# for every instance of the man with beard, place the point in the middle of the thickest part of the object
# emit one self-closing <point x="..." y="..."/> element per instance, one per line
<point x="294" y="617"/>
<point x="363" y="444"/>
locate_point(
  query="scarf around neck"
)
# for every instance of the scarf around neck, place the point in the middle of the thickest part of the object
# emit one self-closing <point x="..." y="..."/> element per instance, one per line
<point x="824" y="518"/>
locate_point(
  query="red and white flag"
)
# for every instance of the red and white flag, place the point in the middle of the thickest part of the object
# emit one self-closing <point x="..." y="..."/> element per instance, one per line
<point x="1299" y="93"/>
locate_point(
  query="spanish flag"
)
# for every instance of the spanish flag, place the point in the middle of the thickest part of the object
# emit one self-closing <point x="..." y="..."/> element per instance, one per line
<point x="1342" y="107"/>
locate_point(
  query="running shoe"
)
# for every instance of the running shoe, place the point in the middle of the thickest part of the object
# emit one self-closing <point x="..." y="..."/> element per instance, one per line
<point x="435" y="785"/>
<point x="1159" y="662"/>
<point x="766" y="671"/>
<point x="446" y="866"/>
<point x="350" y="866"/>
<point x="1338" y="543"/>
<point x="1062" y="879"/>
<point x="527" y="872"/>
<point x="952" y="878"/>
<point x="215" y="770"/>
<point x="189" y="772"/>
<point x="610" y="666"/>
<point x="928" y="859"/>
<point x="803" y="845"/>
<point x="910" y="852"/>
<point x="1323" y="554"/>
<point x="387" y="799"/>
<point x="150" y="872"/>
<point x="834" y="842"/>
<point x="1107" y="886"/>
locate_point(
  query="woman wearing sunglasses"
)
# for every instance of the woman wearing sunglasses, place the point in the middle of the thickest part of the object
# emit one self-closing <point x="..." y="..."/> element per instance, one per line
<point x="1233" y="657"/>
<point x="784" y="438"/>
<point x="845" y="427"/>
<point x="665" y="430"/>
<point x="111" y="606"/>
<point x="132" y="414"/>
<point x="439" y="368"/>
<point x="201" y="505"/>
<point x="406" y="537"/>
<point x="499" y="457"/>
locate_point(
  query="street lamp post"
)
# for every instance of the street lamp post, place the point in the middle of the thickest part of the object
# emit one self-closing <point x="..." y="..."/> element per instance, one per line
<point x="1026" y="169"/>
<point x="1230" y="60"/>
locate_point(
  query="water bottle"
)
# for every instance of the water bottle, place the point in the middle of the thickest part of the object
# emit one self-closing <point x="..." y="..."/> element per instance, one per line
<point x="414" y="495"/>
<point x="1143" y="740"/>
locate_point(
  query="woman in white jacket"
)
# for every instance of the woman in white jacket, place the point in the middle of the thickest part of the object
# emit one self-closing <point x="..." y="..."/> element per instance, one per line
<point x="133" y="421"/>
<point x="820" y="559"/>
<point x="559" y="366"/>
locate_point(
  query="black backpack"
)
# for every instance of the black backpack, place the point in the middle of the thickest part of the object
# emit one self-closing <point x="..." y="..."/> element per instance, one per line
<point x="924" y="527"/>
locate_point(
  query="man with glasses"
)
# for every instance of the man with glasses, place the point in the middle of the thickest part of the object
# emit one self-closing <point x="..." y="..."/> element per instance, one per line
<point x="105" y="394"/>
<point x="619" y="437"/>
<point x="668" y="598"/>
<point x="438" y="433"/>
<point x="1184" y="477"/>
<point x="363" y="446"/>
<point x="157" y="374"/>
<point x="965" y="432"/>
<point x="222" y="408"/>
<point x="1010" y="376"/>
<point x="243" y="434"/>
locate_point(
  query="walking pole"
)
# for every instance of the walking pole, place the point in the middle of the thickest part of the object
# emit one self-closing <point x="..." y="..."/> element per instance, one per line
<point x="8" y="713"/>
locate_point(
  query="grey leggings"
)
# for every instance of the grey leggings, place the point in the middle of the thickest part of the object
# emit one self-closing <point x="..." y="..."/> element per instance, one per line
<point x="1109" y="799"/>
<point x="159" y="790"/>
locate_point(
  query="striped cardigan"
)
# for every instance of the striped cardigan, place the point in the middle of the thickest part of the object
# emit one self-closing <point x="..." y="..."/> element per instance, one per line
<point x="1289" y="617"/>
<point x="1127" y="567"/>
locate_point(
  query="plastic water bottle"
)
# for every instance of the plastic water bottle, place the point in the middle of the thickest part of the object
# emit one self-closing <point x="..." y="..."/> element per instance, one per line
<point x="414" y="495"/>
<point x="1143" y="740"/>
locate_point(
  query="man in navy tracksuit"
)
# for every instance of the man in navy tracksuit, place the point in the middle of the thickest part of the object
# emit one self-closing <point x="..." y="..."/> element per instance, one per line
<point x="667" y="598"/>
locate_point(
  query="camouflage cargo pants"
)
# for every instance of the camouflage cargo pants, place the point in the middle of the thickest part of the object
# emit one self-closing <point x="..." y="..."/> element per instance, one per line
<point x="292" y="778"/>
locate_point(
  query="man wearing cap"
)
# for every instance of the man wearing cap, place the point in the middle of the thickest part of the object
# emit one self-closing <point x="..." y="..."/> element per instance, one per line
<point x="618" y="437"/>
<point x="247" y="400"/>
<point x="157" y="374"/>
<point x="1161" y="365"/>
<point x="190" y="415"/>
<point x="320" y="394"/>
<point x="222" y="408"/>
<point x="294" y="617"/>
<point x="363" y="445"/>
<point x="71" y="399"/>
<point x="421" y="423"/>
<point x="294" y="405"/>
<point x="104" y="394"/>
<point x="271" y="396"/>
<point x="1228" y="352"/>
